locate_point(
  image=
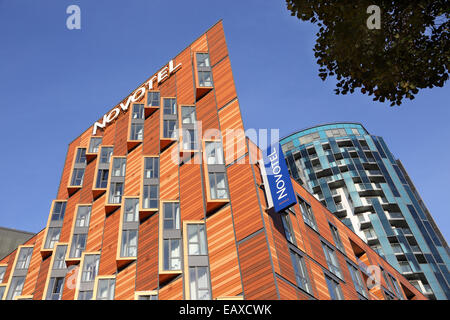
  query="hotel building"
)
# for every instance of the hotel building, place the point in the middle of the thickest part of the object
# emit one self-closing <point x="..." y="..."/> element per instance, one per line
<point x="358" y="179"/>
<point x="143" y="212"/>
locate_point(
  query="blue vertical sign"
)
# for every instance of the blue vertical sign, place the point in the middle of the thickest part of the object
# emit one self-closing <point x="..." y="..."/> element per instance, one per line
<point x="279" y="191"/>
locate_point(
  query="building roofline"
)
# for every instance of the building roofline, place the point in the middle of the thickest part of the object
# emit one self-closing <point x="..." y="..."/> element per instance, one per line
<point x="219" y="21"/>
<point x="16" y="230"/>
<point x="322" y="125"/>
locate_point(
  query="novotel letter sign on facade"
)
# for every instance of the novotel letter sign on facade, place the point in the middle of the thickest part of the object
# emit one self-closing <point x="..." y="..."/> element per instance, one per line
<point x="277" y="181"/>
<point x="162" y="75"/>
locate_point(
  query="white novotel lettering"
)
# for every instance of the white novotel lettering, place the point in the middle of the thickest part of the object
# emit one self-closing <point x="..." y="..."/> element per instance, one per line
<point x="276" y="170"/>
<point x="164" y="73"/>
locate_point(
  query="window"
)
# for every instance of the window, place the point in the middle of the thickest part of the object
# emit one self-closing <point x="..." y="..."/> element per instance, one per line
<point x="60" y="258"/>
<point x="77" y="177"/>
<point x="131" y="213"/>
<point x="116" y="191"/>
<point x="118" y="167"/>
<point x="23" y="261"/>
<point x="199" y="283"/>
<point x="94" y="144"/>
<point x="171" y="216"/>
<point x="81" y="156"/>
<point x="153" y="99"/>
<point x="2" y="291"/>
<point x="307" y="214"/>
<point x="83" y="216"/>
<point x="218" y="188"/>
<point x="188" y="115"/>
<point x="287" y="227"/>
<point x="138" y="111"/>
<point x="55" y="288"/>
<point x="196" y="239"/>
<point x="151" y="168"/>
<point x="59" y="208"/>
<point x="85" y="295"/>
<point x="203" y="60"/>
<point x="301" y="274"/>
<point x="147" y="297"/>
<point x="105" y="155"/>
<point x="334" y="289"/>
<point x="105" y="289"/>
<point x="150" y="196"/>
<point x="170" y="106"/>
<point x="15" y="289"/>
<point x="52" y="237"/>
<point x="102" y="178"/>
<point x="377" y="248"/>
<point x="204" y="79"/>
<point x="129" y="243"/>
<point x="172" y="254"/>
<point x="137" y="131"/>
<point x="336" y="237"/>
<point x="332" y="261"/>
<point x="169" y="129"/>
<point x="357" y="280"/>
<point x="90" y="268"/>
<point x="78" y="245"/>
<point x="189" y="139"/>
<point x="398" y="291"/>
<point x="214" y="153"/>
<point x="2" y="274"/>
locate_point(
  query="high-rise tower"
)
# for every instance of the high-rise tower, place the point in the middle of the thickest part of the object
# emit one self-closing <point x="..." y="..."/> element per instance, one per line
<point x="356" y="177"/>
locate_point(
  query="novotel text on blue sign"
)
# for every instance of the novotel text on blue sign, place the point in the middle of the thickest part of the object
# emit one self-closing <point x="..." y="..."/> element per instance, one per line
<point x="278" y="178"/>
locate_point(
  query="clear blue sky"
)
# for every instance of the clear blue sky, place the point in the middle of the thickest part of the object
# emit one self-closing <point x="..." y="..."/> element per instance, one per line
<point x="54" y="83"/>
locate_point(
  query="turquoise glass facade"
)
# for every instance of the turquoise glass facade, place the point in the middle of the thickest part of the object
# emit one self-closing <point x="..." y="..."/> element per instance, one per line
<point x="356" y="177"/>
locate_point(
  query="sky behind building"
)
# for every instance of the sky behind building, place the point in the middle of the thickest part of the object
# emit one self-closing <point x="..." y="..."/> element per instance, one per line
<point x="55" y="82"/>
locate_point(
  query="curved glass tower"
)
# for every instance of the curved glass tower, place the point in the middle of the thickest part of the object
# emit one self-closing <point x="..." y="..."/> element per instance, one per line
<point x="356" y="177"/>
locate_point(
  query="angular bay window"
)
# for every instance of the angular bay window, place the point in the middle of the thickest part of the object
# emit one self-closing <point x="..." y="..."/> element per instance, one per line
<point x="203" y="60"/>
<point x="59" y="209"/>
<point x="116" y="192"/>
<point x="137" y="131"/>
<point x="153" y="99"/>
<point x="77" y="177"/>
<point x="171" y="216"/>
<point x="59" y="262"/>
<point x="55" y="288"/>
<point x="189" y="139"/>
<point x="199" y="283"/>
<point x="81" y="156"/>
<point x="138" y="111"/>
<point x="15" y="288"/>
<point x="332" y="261"/>
<point x="170" y="106"/>
<point x="307" y="213"/>
<point x="205" y="79"/>
<point x="90" y="267"/>
<point x="196" y="239"/>
<point x="172" y="254"/>
<point x="102" y="179"/>
<point x="169" y="129"/>
<point x="105" y="155"/>
<point x="217" y="184"/>
<point x="23" y="261"/>
<point x="52" y="237"/>
<point x="118" y="167"/>
<point x="398" y="291"/>
<point x="214" y="152"/>
<point x="151" y="168"/>
<point x="2" y="273"/>
<point x="94" y="145"/>
<point x="85" y="295"/>
<point x="83" y="216"/>
<point x="105" y="289"/>
<point x="131" y="213"/>
<point x="188" y="115"/>
<point x="150" y="196"/>
<point x="301" y="275"/>
<point x="78" y="245"/>
<point x="129" y="243"/>
<point x="204" y="70"/>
